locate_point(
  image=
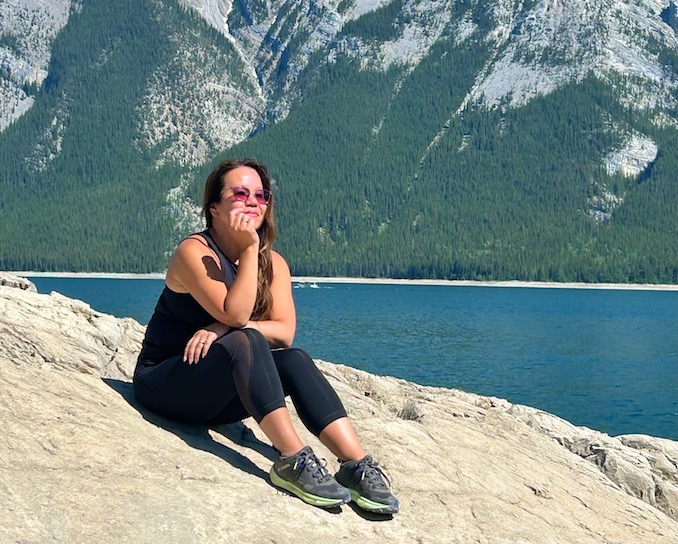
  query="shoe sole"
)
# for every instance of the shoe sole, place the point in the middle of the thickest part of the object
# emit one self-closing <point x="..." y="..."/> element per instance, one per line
<point x="310" y="498"/>
<point x="371" y="506"/>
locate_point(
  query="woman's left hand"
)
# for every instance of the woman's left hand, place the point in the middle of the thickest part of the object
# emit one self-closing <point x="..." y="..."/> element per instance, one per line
<point x="199" y="344"/>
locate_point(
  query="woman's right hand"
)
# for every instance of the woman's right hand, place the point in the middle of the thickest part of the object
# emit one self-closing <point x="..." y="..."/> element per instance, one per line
<point x="243" y="231"/>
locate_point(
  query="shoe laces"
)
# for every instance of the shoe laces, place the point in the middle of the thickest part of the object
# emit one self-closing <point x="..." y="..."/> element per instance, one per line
<point x="314" y="465"/>
<point x="371" y="471"/>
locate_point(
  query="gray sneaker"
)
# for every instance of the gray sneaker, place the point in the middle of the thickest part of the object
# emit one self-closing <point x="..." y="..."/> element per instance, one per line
<point x="306" y="477"/>
<point x="368" y="485"/>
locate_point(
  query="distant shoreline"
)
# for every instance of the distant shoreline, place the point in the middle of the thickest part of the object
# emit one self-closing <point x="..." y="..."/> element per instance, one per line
<point x="386" y="281"/>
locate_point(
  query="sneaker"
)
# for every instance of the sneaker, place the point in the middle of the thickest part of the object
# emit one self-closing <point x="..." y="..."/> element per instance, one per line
<point x="306" y="477"/>
<point x="368" y="485"/>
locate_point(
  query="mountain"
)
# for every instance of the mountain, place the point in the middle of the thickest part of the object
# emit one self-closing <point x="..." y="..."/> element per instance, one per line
<point x="470" y="139"/>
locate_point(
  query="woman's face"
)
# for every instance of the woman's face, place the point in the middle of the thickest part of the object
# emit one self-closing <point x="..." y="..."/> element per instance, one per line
<point x="243" y="193"/>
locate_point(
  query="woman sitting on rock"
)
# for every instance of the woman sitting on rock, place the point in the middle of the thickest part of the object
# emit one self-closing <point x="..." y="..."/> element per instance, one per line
<point x="217" y="348"/>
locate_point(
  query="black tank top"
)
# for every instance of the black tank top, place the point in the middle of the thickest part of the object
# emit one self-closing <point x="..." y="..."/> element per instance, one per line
<point x="178" y="315"/>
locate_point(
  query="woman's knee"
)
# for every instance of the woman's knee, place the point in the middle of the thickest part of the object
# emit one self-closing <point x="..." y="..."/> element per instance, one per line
<point x="297" y="370"/>
<point x="254" y="335"/>
<point x="248" y="340"/>
<point x="294" y="358"/>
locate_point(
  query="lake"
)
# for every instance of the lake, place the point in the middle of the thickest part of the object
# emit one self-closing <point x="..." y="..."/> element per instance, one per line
<point x="603" y="358"/>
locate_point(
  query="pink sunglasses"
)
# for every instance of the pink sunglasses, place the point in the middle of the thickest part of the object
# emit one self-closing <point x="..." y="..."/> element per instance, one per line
<point x="241" y="194"/>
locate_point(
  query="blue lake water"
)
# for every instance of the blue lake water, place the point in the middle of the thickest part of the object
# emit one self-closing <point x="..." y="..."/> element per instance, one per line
<point x="606" y="359"/>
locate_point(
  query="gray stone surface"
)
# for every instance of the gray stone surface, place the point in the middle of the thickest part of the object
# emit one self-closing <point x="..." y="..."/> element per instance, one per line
<point x="80" y="461"/>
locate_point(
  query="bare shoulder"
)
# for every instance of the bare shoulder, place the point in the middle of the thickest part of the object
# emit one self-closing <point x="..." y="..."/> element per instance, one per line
<point x="281" y="290"/>
<point x="189" y="249"/>
<point x="192" y="244"/>
<point x="279" y="264"/>
<point x="187" y="260"/>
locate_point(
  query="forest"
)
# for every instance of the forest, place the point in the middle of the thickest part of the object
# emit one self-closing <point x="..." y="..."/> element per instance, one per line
<point x="505" y="193"/>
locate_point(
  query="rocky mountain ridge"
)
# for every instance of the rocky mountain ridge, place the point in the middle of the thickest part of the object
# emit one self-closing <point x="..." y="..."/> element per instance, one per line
<point x="538" y="47"/>
<point x="27" y="28"/>
<point x="82" y="461"/>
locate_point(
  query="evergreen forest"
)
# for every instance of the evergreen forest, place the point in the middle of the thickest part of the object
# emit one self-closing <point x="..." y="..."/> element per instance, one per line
<point x="360" y="190"/>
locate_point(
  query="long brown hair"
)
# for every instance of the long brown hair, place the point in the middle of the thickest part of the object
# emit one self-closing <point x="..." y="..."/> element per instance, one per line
<point x="214" y="188"/>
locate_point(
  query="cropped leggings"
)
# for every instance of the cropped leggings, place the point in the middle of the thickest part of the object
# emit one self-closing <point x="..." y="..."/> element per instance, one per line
<point x="240" y="376"/>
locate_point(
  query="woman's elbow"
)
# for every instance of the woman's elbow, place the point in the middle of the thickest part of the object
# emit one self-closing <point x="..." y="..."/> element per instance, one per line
<point x="239" y="323"/>
<point x="236" y="318"/>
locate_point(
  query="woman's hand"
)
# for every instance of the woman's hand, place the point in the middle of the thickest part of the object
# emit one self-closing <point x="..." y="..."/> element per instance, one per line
<point x="243" y="230"/>
<point x="199" y="344"/>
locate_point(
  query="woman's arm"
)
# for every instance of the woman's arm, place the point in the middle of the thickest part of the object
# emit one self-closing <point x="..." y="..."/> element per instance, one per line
<point x="194" y="269"/>
<point x="281" y="326"/>
<point x="278" y="330"/>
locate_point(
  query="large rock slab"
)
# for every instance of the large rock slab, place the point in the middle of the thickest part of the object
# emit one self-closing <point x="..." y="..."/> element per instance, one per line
<point x="80" y="461"/>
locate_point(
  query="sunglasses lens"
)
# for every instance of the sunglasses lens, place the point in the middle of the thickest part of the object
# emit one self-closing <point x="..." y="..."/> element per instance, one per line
<point x="263" y="196"/>
<point x="241" y="193"/>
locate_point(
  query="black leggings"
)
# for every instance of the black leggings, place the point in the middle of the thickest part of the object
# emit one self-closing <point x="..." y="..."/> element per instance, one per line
<point x="240" y="376"/>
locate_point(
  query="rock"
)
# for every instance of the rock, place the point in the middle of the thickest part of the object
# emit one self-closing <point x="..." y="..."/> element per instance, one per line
<point x="11" y="280"/>
<point x="81" y="461"/>
<point x="643" y="466"/>
<point x="57" y="332"/>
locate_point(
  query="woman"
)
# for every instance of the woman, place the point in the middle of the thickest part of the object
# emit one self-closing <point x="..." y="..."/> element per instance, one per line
<point x="207" y="356"/>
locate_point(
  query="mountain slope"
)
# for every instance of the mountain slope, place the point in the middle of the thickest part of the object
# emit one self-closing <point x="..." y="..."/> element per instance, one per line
<point x="502" y="139"/>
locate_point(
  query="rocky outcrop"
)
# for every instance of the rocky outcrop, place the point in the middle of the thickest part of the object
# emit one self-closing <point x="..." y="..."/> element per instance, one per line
<point x="643" y="466"/>
<point x="11" y="280"/>
<point x="81" y="461"/>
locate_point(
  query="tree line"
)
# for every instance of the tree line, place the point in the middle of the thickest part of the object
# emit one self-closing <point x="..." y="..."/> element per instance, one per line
<point x="505" y="193"/>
